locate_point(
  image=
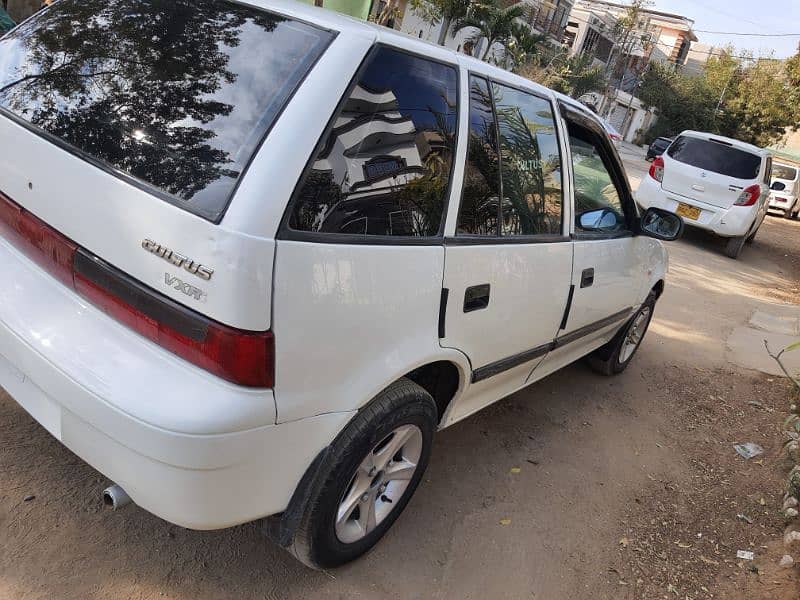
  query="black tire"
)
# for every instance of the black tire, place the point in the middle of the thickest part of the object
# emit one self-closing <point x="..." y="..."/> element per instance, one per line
<point x="733" y="247"/>
<point x="751" y="238"/>
<point x="315" y="541"/>
<point x="607" y="360"/>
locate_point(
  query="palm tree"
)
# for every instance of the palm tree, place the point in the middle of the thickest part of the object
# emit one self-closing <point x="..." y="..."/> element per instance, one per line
<point x="445" y="12"/>
<point x="522" y="45"/>
<point x="493" y="23"/>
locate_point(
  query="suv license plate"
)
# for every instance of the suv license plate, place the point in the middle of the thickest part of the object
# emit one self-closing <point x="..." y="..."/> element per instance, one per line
<point x="690" y="212"/>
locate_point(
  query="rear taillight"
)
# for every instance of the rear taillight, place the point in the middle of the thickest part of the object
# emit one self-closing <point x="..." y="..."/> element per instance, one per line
<point x="37" y="240"/>
<point x="749" y="196"/>
<point x="657" y="169"/>
<point x="242" y="357"/>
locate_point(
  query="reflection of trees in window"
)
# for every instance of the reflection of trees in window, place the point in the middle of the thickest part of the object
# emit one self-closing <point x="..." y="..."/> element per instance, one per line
<point x="527" y="170"/>
<point x="143" y="85"/>
<point x="531" y="181"/>
<point x="481" y="191"/>
<point x="594" y="187"/>
<point x="384" y="168"/>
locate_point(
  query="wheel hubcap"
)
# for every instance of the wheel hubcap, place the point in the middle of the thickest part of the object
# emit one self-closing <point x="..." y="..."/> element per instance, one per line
<point x="635" y="334"/>
<point x="379" y="483"/>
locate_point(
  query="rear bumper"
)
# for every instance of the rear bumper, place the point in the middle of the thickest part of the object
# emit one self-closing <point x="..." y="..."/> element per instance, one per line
<point x="782" y="203"/>
<point x="188" y="447"/>
<point x="726" y="222"/>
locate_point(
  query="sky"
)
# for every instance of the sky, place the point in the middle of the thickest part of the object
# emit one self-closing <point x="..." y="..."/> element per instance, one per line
<point x="742" y="16"/>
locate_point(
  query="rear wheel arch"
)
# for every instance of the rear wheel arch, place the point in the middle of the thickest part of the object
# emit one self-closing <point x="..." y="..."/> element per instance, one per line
<point x="441" y="379"/>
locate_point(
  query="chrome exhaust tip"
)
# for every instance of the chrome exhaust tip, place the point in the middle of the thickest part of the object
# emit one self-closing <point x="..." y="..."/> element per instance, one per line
<point x="115" y="497"/>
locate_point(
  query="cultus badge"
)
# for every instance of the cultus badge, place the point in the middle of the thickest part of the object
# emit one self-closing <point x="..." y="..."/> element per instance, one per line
<point x="178" y="259"/>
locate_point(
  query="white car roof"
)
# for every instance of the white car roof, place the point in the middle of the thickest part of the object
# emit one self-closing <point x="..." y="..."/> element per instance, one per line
<point x="735" y="143"/>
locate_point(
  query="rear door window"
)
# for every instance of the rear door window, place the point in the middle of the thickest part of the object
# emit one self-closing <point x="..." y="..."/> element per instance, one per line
<point x="717" y="157"/>
<point x="176" y="95"/>
<point x="530" y="163"/>
<point x="384" y="166"/>
<point x="480" y="195"/>
<point x="512" y="180"/>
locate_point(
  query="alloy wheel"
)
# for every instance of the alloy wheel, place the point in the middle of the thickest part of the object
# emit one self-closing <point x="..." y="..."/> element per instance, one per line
<point x="379" y="483"/>
<point x="634" y="335"/>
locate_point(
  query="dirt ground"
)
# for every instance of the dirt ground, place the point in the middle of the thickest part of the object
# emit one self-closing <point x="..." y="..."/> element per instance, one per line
<point x="627" y="488"/>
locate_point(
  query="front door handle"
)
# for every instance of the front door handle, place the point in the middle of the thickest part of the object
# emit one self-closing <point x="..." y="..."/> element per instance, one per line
<point x="476" y="297"/>
<point x="587" y="278"/>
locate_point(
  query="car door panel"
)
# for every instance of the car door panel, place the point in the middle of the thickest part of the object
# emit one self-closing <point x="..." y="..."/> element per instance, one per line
<point x="508" y="268"/>
<point x="607" y="273"/>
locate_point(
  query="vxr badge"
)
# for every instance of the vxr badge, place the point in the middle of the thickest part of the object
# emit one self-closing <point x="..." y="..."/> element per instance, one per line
<point x="178" y="259"/>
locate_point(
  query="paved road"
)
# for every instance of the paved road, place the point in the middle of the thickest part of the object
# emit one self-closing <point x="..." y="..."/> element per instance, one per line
<point x="585" y="445"/>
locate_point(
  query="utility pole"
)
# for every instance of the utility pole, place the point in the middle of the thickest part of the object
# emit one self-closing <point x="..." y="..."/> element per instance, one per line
<point x="722" y="95"/>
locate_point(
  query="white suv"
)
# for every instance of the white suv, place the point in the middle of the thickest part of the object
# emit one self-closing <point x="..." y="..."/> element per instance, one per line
<point x="257" y="254"/>
<point x="714" y="183"/>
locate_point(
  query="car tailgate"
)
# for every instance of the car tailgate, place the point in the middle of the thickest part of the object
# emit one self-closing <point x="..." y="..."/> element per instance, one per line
<point x="112" y="219"/>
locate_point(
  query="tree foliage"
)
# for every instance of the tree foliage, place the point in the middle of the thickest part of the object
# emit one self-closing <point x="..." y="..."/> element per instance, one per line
<point x="754" y="100"/>
<point x="571" y="75"/>
<point x="491" y="23"/>
<point x="445" y="12"/>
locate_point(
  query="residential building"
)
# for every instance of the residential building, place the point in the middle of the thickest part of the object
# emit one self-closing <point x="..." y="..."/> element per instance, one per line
<point x="698" y="56"/>
<point x="355" y="8"/>
<point x="548" y="17"/>
<point x="594" y="29"/>
<point x="594" y="25"/>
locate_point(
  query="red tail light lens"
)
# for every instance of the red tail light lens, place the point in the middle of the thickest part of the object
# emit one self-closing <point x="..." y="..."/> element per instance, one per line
<point x="749" y="196"/>
<point x="37" y="240"/>
<point x="245" y="358"/>
<point x="657" y="169"/>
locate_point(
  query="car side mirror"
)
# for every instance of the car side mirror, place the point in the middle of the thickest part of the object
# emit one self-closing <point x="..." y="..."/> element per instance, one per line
<point x="661" y="224"/>
<point x="599" y="220"/>
<point x="777" y="186"/>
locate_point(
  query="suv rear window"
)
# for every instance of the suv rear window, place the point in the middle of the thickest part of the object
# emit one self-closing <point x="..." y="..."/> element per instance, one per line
<point x="784" y="172"/>
<point x="717" y="157"/>
<point x="177" y="95"/>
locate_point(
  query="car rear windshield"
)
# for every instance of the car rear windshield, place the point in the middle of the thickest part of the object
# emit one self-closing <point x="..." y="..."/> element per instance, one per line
<point x="175" y="94"/>
<point x="717" y="157"/>
<point x="784" y="172"/>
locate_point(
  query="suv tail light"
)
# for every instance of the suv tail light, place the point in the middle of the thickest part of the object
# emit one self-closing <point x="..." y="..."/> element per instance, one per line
<point x="657" y="169"/>
<point x="245" y="358"/>
<point x="749" y="196"/>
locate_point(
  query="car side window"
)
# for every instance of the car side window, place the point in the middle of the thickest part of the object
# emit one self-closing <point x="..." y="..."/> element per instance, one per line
<point x="481" y="192"/>
<point x="530" y="163"/>
<point x="598" y="204"/>
<point x="512" y="179"/>
<point x="384" y="167"/>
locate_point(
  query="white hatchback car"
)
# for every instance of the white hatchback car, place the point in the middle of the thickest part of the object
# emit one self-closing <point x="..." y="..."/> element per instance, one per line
<point x="257" y="254"/>
<point x="714" y="183"/>
<point x="785" y="197"/>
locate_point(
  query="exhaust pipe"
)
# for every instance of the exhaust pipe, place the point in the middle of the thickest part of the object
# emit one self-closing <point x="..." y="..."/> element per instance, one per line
<point x="115" y="497"/>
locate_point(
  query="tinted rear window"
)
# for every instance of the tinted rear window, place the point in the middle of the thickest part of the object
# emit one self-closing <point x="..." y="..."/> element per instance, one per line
<point x="176" y="94"/>
<point x="716" y="157"/>
<point x="784" y="172"/>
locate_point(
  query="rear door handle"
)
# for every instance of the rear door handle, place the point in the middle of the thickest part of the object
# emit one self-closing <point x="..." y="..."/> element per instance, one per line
<point x="587" y="278"/>
<point x="476" y="297"/>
